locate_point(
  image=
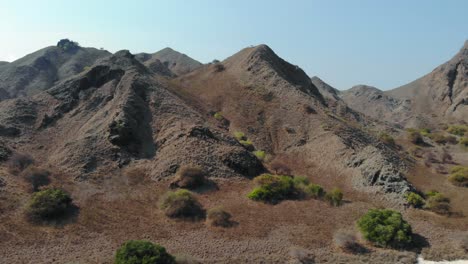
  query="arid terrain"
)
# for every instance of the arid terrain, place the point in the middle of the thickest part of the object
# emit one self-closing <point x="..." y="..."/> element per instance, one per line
<point x="115" y="130"/>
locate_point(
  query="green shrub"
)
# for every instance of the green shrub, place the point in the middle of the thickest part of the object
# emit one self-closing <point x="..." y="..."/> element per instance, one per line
<point x="458" y="130"/>
<point x="385" y="228"/>
<point x="142" y="252"/>
<point x="300" y="182"/>
<point x="37" y="177"/>
<point x="386" y="138"/>
<point x="414" y="199"/>
<point x="218" y="116"/>
<point x="48" y="204"/>
<point x="415" y="137"/>
<point x="260" y="154"/>
<point x="239" y="135"/>
<point x="459" y="176"/>
<point x="189" y="177"/>
<point x="459" y="179"/>
<point x="181" y="204"/>
<point x="218" y="217"/>
<point x="464" y="142"/>
<point x="247" y="144"/>
<point x="272" y="188"/>
<point x="431" y="193"/>
<point x="438" y="203"/>
<point x="314" y="191"/>
<point x="425" y="132"/>
<point x="334" y="197"/>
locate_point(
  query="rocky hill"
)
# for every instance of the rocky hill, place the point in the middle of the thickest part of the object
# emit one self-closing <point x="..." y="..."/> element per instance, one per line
<point x="438" y="97"/>
<point x="176" y="62"/>
<point x="116" y="134"/>
<point x="42" y="69"/>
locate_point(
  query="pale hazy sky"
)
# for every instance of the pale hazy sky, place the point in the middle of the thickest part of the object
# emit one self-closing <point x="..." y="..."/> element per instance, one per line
<point x="345" y="42"/>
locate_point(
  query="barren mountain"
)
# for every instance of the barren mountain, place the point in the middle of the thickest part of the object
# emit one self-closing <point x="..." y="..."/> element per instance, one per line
<point x="176" y="62"/>
<point x="42" y="69"/>
<point x="438" y="97"/>
<point x="122" y="114"/>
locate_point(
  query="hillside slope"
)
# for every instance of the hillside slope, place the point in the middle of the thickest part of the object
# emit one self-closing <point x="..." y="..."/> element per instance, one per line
<point x="175" y="61"/>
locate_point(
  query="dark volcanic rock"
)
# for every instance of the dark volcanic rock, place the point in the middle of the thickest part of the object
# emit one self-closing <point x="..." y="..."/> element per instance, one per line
<point x="243" y="162"/>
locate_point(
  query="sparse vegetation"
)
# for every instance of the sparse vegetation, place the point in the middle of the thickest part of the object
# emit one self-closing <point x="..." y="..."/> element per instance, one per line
<point x="440" y="138"/>
<point x="247" y="144"/>
<point x="272" y="188"/>
<point x="459" y="176"/>
<point x="314" y="191"/>
<point x="37" y="177"/>
<point x="48" y="204"/>
<point x="437" y="203"/>
<point x="135" y="175"/>
<point x="464" y="142"/>
<point x="239" y="135"/>
<point x="385" y="228"/>
<point x="260" y="154"/>
<point x="142" y="252"/>
<point x="218" y="116"/>
<point x="425" y="131"/>
<point x="218" y="217"/>
<point x="181" y="204"/>
<point x="415" y="200"/>
<point x="415" y="137"/>
<point x="334" y="197"/>
<point x="346" y="241"/>
<point x="387" y="139"/>
<point x="458" y="130"/>
<point x="18" y="162"/>
<point x="189" y="177"/>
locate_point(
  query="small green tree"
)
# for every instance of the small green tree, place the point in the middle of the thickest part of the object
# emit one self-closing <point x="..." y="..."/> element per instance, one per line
<point x="142" y="252"/>
<point x="414" y="199"/>
<point x="385" y="228"/>
<point x="48" y="204"/>
<point x="314" y="191"/>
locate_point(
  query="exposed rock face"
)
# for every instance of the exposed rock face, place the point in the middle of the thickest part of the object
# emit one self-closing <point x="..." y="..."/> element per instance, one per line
<point x="440" y="96"/>
<point x="176" y="62"/>
<point x="116" y="112"/>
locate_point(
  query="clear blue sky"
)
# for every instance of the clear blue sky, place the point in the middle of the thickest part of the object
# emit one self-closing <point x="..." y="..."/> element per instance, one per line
<point x="347" y="42"/>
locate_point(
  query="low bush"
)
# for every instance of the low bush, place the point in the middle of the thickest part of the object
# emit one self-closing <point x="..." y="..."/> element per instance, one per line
<point x="464" y="142"/>
<point x="459" y="176"/>
<point x="387" y="139"/>
<point x="247" y="144"/>
<point x="260" y="154"/>
<point x="48" y="204"/>
<point x="218" y="217"/>
<point x="458" y="130"/>
<point x="218" y="116"/>
<point x="189" y="177"/>
<point x="142" y="252"/>
<point x="181" y="204"/>
<point x="415" y="200"/>
<point x="415" y="137"/>
<point x="272" y="188"/>
<point x="437" y="203"/>
<point x="18" y="162"/>
<point x="425" y="131"/>
<point x="239" y="135"/>
<point x="385" y="228"/>
<point x="314" y="191"/>
<point x="346" y="241"/>
<point x="37" y="177"/>
<point x="334" y="197"/>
